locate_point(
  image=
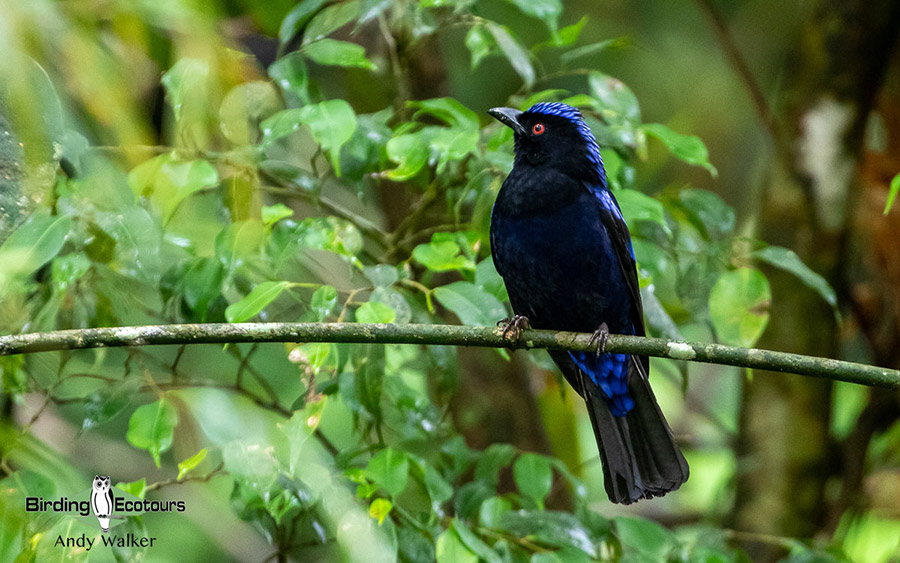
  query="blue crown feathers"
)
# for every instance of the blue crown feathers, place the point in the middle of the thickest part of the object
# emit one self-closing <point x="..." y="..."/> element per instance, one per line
<point x="574" y="116"/>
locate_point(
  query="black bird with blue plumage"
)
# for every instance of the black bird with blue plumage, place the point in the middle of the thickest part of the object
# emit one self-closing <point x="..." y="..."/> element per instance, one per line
<point x="560" y="243"/>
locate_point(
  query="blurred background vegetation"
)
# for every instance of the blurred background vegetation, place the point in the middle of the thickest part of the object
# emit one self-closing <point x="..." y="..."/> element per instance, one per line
<point x="191" y="161"/>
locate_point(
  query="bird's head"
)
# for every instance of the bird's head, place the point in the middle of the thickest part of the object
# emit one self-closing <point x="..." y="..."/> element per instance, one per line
<point x="553" y="134"/>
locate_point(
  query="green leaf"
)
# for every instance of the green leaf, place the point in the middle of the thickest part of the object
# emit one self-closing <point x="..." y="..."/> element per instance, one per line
<point x="280" y="124"/>
<point x="473" y="305"/>
<point x="323" y="302"/>
<point x="569" y="34"/>
<point x="787" y="260"/>
<point x="375" y="312"/>
<point x="137" y="488"/>
<point x="291" y="75"/>
<point x="593" y="48"/>
<point x="109" y="402"/>
<point x="330" y="19"/>
<point x="688" y="148"/>
<point x="474" y="543"/>
<point x="167" y="181"/>
<point x="238" y="242"/>
<point x="152" y="428"/>
<point x="389" y="469"/>
<point x="297" y="19"/>
<point x="271" y="214"/>
<point x="492" y="510"/>
<point x="559" y="529"/>
<point x="442" y="255"/>
<point x="410" y="152"/>
<point x="332" y="124"/>
<point x="548" y="11"/>
<point x="332" y="52"/>
<point x="449" y="548"/>
<point x="448" y="110"/>
<point x="244" y="107"/>
<point x="187" y="77"/>
<point x="479" y="43"/>
<point x="379" y="509"/>
<point x="533" y="476"/>
<point x="202" y="284"/>
<point x="514" y="52"/>
<point x="892" y="194"/>
<point x="644" y="537"/>
<point x="184" y="467"/>
<point x="255" y="301"/>
<point x="706" y="210"/>
<point x="32" y="245"/>
<point x="492" y="460"/>
<point x="739" y="306"/>
<point x="637" y="206"/>
<point x="382" y="275"/>
<point x="618" y="103"/>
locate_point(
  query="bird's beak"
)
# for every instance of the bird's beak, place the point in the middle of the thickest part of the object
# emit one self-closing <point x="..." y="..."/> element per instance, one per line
<point x="508" y="117"/>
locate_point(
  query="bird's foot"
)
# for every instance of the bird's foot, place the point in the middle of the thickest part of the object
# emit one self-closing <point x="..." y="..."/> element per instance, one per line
<point x="511" y="328"/>
<point x="600" y="336"/>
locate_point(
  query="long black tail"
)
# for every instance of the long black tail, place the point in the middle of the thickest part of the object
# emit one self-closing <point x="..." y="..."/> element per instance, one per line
<point x="640" y="456"/>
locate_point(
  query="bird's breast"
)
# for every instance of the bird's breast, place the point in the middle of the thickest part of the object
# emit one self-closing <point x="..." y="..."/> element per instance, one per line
<point x="559" y="266"/>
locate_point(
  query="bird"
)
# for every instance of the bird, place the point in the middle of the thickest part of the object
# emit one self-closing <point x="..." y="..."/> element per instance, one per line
<point x="560" y="243"/>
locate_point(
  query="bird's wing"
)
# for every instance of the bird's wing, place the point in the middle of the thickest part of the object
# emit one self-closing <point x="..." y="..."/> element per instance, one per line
<point x="109" y="499"/>
<point x="614" y="222"/>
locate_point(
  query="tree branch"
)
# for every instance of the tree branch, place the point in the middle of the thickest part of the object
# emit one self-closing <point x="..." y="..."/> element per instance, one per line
<point x="447" y="335"/>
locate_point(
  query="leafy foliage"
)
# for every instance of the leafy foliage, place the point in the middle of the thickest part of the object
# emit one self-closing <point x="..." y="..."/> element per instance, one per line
<point x="261" y="206"/>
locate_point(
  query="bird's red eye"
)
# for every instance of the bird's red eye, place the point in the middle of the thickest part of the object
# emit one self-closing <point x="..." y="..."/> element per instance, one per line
<point x="538" y="129"/>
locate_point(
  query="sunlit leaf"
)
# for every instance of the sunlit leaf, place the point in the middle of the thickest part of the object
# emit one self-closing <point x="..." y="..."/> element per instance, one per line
<point x="892" y="193"/>
<point x="379" y="509"/>
<point x="375" y="312"/>
<point x="271" y="214"/>
<point x="191" y="463"/>
<point x="739" y="306"/>
<point x="410" y="152"/>
<point x="449" y="548"/>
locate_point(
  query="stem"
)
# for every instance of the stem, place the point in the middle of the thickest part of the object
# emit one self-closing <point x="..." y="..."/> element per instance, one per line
<point x="447" y="335"/>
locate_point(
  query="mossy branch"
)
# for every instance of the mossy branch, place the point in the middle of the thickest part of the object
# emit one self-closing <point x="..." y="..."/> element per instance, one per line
<point x="446" y="335"/>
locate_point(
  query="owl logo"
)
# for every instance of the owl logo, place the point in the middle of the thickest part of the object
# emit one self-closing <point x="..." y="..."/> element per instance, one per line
<point x="102" y="500"/>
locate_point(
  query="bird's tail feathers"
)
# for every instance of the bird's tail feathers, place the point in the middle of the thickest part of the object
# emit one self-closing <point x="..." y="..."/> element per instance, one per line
<point x="640" y="456"/>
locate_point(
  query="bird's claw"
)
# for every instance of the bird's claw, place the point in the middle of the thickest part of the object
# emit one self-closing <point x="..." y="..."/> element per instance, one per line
<point x="601" y="337"/>
<point x="511" y="328"/>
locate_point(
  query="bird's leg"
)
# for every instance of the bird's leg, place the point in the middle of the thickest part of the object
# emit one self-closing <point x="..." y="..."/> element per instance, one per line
<point x="511" y="328"/>
<point x="600" y="336"/>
